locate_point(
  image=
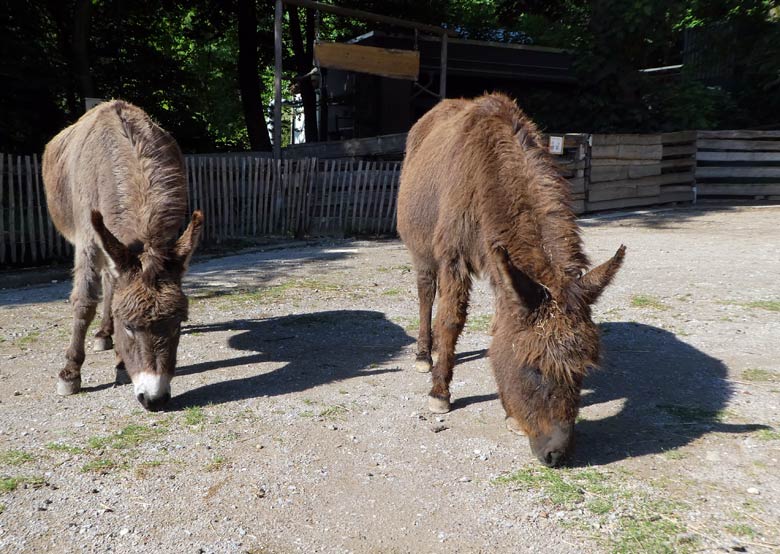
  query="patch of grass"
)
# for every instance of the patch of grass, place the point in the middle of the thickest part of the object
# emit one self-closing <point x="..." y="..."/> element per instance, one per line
<point x="144" y="468"/>
<point x="600" y="506"/>
<point x="741" y="530"/>
<point x="129" y="437"/>
<point x="216" y="464"/>
<point x="60" y="447"/>
<point x="408" y="323"/>
<point x="769" y="305"/>
<point x="760" y="375"/>
<point x="10" y="484"/>
<point x="392" y="292"/>
<point x="693" y="414"/>
<point x="334" y="412"/>
<point x="404" y="268"/>
<point x="479" y="323"/>
<point x="652" y="528"/>
<point x="15" y="458"/>
<point x="306" y="414"/>
<point x="768" y="435"/>
<point x="99" y="465"/>
<point x="194" y="415"/>
<point x="563" y="487"/>
<point x="675" y="455"/>
<point x="28" y="339"/>
<point x="646" y="301"/>
<point x="273" y="292"/>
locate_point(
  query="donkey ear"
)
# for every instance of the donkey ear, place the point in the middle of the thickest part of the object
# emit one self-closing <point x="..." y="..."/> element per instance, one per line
<point x="516" y="282"/>
<point x="118" y="253"/>
<point x="188" y="241"/>
<point x="596" y="280"/>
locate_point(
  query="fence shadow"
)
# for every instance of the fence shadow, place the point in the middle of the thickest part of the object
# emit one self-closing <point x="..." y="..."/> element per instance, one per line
<point x="316" y="349"/>
<point x="672" y="394"/>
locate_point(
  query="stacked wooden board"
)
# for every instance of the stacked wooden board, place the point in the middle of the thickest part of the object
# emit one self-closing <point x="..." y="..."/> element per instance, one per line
<point x="572" y="164"/>
<point x="633" y="170"/>
<point x="738" y="164"/>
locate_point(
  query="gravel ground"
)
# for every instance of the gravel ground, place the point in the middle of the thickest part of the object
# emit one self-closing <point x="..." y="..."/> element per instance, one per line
<point x="298" y="423"/>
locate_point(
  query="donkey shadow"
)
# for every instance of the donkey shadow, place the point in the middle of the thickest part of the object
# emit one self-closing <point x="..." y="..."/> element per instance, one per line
<point x="316" y="349"/>
<point x="672" y="394"/>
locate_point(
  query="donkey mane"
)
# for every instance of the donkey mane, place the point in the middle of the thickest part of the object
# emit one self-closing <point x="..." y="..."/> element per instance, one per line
<point x="527" y="208"/>
<point x="149" y="172"/>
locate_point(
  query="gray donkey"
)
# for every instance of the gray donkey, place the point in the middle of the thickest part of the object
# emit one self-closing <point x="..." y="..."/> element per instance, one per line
<point x="116" y="189"/>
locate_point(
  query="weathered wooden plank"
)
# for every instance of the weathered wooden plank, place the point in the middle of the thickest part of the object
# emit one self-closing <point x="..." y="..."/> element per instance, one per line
<point x="739" y="134"/>
<point x="602" y="192"/>
<point x="12" y="206"/>
<point x="626" y="139"/>
<point x="17" y="194"/>
<point x="708" y="172"/>
<point x="677" y="177"/>
<point x="617" y="172"/>
<point x="577" y="206"/>
<point x="628" y="152"/>
<point x="44" y="245"/>
<point x="677" y="163"/>
<point x="394" y="218"/>
<point x="577" y="185"/>
<point x="2" y="208"/>
<point x="734" y="189"/>
<point x="30" y="209"/>
<point x="749" y="145"/>
<point x="675" y="196"/>
<point x="385" y="62"/>
<point x="681" y="150"/>
<point x="678" y="137"/>
<point x="621" y="203"/>
<point x="606" y="162"/>
<point x="677" y="188"/>
<point x="709" y="156"/>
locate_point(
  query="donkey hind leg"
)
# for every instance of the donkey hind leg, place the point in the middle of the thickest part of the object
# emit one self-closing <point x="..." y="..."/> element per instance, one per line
<point x="426" y="292"/>
<point x="454" y="285"/>
<point x="103" y="340"/>
<point x="84" y="300"/>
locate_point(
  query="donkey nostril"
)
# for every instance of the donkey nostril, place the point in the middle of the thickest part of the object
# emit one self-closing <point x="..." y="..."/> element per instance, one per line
<point x="553" y="458"/>
<point x="141" y="397"/>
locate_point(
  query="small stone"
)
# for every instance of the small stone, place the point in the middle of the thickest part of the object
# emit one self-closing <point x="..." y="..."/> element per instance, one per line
<point x="753" y="490"/>
<point x="17" y="393"/>
<point x="124" y="531"/>
<point x="464" y="480"/>
<point x="439" y="428"/>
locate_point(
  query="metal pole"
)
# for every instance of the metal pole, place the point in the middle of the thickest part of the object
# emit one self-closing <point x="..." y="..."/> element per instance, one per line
<point x="278" y="80"/>
<point x="443" y="70"/>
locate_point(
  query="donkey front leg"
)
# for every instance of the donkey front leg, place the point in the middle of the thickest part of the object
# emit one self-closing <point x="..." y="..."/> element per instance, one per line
<point x="84" y="300"/>
<point x="103" y="340"/>
<point x="426" y="292"/>
<point x="454" y="287"/>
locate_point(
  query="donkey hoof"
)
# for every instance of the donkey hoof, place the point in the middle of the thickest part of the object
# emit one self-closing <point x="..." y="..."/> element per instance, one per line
<point x="66" y="388"/>
<point x="103" y="343"/>
<point x="122" y="377"/>
<point x="423" y="366"/>
<point x="438" y="405"/>
<point x="513" y="425"/>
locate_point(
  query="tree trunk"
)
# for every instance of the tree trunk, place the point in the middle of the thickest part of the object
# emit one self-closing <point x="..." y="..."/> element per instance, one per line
<point x="81" y="19"/>
<point x="303" y="55"/>
<point x="249" y="76"/>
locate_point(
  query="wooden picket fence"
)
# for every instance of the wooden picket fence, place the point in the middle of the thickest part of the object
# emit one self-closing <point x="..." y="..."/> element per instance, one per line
<point x="27" y="234"/>
<point x="246" y="195"/>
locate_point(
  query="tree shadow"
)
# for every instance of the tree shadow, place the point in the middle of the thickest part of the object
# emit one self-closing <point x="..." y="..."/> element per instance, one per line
<point x="316" y="349"/>
<point x="672" y="394"/>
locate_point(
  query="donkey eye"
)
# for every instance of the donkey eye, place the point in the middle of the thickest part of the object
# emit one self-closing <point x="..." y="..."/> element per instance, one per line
<point x="130" y="332"/>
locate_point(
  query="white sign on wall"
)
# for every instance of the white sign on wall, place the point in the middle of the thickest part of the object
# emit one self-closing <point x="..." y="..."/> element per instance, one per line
<point x="556" y="144"/>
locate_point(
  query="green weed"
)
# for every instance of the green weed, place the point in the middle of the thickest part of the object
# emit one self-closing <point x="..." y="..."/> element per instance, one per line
<point x="15" y="458"/>
<point x="645" y="301"/>
<point x="194" y="415"/>
<point x="479" y="323"/>
<point x="99" y="465"/>
<point x="60" y="447"/>
<point x="741" y="530"/>
<point x="693" y="414"/>
<point x="129" y="437"/>
<point x="768" y="435"/>
<point x="760" y="376"/>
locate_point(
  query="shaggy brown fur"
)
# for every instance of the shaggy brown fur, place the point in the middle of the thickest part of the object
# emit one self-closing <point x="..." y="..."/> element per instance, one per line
<point x="116" y="189"/>
<point x="479" y="195"/>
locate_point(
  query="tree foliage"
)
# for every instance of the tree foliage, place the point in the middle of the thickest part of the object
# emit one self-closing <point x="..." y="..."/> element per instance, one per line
<point x="179" y="59"/>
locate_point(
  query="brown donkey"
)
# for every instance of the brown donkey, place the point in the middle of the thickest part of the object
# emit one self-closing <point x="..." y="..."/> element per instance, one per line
<point x="479" y="195"/>
<point x="116" y="189"/>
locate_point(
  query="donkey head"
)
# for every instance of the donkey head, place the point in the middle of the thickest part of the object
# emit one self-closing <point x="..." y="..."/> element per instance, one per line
<point x="148" y="307"/>
<point x="543" y="344"/>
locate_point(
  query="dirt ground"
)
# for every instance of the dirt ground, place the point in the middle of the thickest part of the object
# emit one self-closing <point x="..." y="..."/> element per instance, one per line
<point x="298" y="423"/>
